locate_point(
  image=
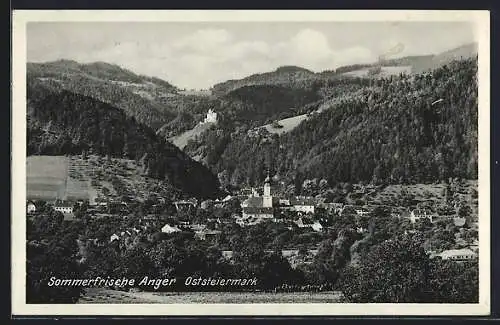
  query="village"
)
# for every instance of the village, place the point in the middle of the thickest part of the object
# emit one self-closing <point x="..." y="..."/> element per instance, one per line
<point x="304" y="215"/>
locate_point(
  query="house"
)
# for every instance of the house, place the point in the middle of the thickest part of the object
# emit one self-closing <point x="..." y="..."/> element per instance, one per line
<point x="197" y="227"/>
<point x="63" y="206"/>
<point x="332" y="207"/>
<point x="316" y="226"/>
<point x="114" y="237"/>
<point x="419" y="214"/>
<point x="300" y="223"/>
<point x="207" y="204"/>
<point x="463" y="254"/>
<point x="459" y="222"/>
<point x="303" y="204"/>
<point x="260" y="213"/>
<point x="207" y="234"/>
<point x="30" y="207"/>
<point x="284" y="202"/>
<point x="185" y="205"/>
<point x="169" y="229"/>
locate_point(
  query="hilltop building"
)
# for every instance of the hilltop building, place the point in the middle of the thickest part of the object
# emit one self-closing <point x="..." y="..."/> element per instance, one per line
<point x="211" y="117"/>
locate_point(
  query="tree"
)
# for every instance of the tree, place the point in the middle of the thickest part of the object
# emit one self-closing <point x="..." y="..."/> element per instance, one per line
<point x="452" y="282"/>
<point x="53" y="256"/>
<point x="393" y="271"/>
<point x="399" y="271"/>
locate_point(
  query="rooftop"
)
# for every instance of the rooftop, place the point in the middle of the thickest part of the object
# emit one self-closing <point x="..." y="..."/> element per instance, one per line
<point x="258" y="210"/>
<point x="457" y="252"/>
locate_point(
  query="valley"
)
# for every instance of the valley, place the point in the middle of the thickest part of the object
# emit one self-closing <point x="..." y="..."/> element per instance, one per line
<point x="310" y="182"/>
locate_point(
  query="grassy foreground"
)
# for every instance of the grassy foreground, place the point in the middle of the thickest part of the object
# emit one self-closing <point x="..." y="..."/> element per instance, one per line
<point x="107" y="296"/>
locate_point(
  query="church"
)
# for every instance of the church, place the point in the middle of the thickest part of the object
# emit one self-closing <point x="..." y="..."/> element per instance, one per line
<point x="258" y="208"/>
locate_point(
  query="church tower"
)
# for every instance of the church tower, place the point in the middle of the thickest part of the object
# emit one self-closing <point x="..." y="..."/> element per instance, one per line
<point x="267" y="199"/>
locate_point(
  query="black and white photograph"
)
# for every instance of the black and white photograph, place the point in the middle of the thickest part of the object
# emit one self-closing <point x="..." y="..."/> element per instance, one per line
<point x="244" y="162"/>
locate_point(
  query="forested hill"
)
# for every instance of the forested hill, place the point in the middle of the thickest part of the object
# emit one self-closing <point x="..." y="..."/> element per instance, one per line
<point x="404" y="129"/>
<point x="297" y="77"/>
<point x="62" y="122"/>
<point x="150" y="100"/>
<point x="285" y="75"/>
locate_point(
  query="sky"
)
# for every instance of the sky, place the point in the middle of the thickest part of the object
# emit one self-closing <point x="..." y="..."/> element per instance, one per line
<point x="197" y="55"/>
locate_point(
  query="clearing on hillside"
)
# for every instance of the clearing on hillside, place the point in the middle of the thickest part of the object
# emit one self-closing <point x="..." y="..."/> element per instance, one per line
<point x="181" y="140"/>
<point x="52" y="177"/>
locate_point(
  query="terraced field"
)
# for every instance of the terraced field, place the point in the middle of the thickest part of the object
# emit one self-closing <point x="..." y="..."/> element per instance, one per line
<point x="55" y="177"/>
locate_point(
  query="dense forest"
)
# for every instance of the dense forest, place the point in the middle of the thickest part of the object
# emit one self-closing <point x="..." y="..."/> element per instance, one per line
<point x="398" y="129"/>
<point x="61" y="122"/>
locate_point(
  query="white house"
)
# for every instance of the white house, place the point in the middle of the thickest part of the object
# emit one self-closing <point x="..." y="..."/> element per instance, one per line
<point x="30" y="207"/>
<point x="63" y="206"/>
<point x="316" y="226"/>
<point x="418" y="214"/>
<point x="114" y="237"/>
<point x="169" y="229"/>
<point x="463" y="254"/>
<point x="305" y="205"/>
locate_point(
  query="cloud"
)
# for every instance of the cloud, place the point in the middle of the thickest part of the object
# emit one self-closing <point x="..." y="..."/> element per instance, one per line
<point x="203" y="40"/>
<point x="311" y="49"/>
<point x="207" y="56"/>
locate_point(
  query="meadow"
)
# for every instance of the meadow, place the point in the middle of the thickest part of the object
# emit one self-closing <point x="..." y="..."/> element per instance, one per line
<point x="52" y="177"/>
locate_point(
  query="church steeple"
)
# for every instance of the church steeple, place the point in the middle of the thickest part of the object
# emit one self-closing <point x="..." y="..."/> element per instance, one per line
<point x="267" y="198"/>
<point x="268" y="179"/>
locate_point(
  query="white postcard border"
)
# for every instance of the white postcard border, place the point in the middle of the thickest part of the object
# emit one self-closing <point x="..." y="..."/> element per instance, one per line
<point x="18" y="225"/>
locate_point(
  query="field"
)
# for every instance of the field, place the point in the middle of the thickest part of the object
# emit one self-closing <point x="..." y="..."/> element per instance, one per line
<point x="182" y="139"/>
<point x="108" y="296"/>
<point x="52" y="177"/>
<point x="287" y="123"/>
<point x="46" y="177"/>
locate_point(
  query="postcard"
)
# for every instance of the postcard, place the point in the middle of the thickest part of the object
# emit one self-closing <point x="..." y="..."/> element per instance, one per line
<point x="239" y="162"/>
